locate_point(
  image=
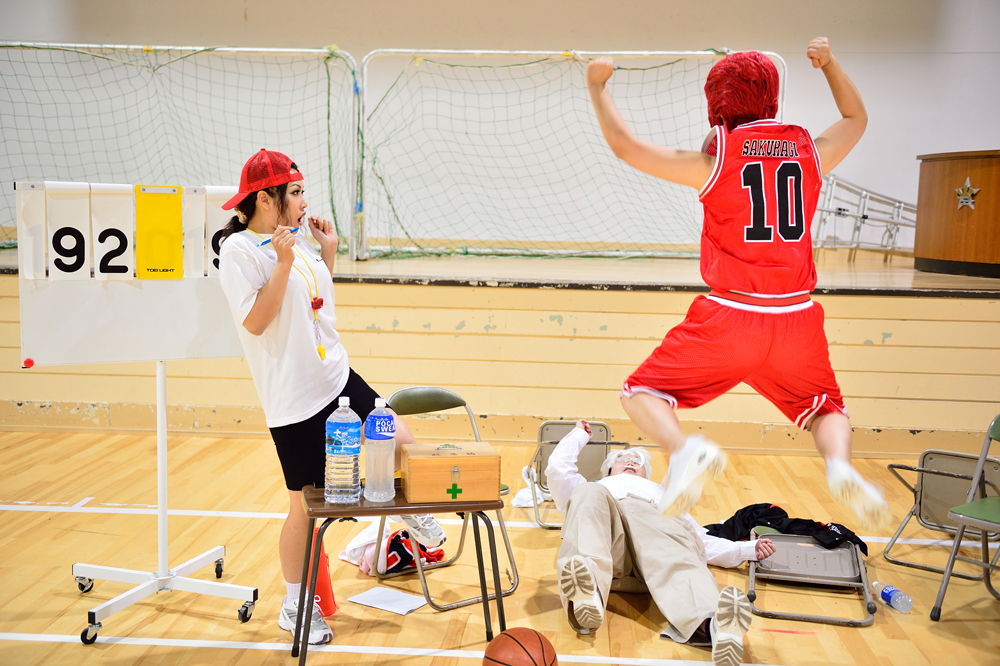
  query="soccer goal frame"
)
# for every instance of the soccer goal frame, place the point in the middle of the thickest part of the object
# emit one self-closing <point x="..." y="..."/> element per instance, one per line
<point x="342" y="146"/>
<point x="364" y="249"/>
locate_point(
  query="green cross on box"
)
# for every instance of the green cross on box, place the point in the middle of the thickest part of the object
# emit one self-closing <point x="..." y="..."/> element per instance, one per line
<point x="454" y="491"/>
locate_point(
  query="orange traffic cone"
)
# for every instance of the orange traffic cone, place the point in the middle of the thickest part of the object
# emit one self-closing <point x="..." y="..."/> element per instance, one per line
<point x="324" y="586"/>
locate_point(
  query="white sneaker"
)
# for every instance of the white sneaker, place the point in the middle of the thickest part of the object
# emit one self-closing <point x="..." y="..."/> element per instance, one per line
<point x="731" y="621"/>
<point x="579" y="595"/>
<point x="699" y="462"/>
<point x="426" y="529"/>
<point x="864" y="499"/>
<point x="319" y="631"/>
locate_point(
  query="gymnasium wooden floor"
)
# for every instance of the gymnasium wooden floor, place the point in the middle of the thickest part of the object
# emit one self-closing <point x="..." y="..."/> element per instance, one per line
<point x="68" y="498"/>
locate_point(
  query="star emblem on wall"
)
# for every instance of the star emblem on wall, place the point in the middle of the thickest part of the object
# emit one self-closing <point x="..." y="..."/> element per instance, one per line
<point x="965" y="194"/>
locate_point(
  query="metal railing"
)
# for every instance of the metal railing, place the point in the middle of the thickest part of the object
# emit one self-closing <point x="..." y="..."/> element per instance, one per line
<point x="876" y="222"/>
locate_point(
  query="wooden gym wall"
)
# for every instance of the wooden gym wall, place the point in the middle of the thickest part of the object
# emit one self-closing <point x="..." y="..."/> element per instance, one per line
<point x="916" y="373"/>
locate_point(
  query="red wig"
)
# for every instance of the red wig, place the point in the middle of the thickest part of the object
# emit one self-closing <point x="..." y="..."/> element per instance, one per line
<point x="742" y="88"/>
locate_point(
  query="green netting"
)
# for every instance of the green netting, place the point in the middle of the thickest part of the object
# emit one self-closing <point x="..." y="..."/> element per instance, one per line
<point x="176" y="116"/>
<point x="462" y="157"/>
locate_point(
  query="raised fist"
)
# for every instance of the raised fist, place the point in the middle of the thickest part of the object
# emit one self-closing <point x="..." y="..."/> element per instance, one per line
<point x="819" y="52"/>
<point x="600" y="70"/>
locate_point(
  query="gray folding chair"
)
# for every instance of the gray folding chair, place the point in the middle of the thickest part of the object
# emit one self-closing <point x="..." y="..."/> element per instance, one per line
<point x="942" y="482"/>
<point x="800" y="559"/>
<point x="983" y="514"/>
<point x="423" y="400"/>
<point x="588" y="463"/>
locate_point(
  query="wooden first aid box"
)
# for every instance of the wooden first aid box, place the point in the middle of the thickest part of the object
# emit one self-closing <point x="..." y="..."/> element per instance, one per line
<point x="468" y="472"/>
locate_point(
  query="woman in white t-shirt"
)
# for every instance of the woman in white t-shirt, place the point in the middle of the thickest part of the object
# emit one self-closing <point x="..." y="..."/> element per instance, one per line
<point x="280" y="290"/>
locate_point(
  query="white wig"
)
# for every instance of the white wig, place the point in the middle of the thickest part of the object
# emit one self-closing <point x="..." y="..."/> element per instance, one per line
<point x="638" y="451"/>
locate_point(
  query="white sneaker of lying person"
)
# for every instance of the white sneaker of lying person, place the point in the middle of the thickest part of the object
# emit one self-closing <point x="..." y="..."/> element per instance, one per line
<point x="864" y="499"/>
<point x="425" y="529"/>
<point x="730" y="624"/>
<point x="579" y="595"/>
<point x="698" y="462"/>
<point x="319" y="631"/>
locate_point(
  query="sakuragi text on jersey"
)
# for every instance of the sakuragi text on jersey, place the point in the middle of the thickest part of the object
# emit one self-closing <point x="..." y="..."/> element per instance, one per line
<point x="769" y="148"/>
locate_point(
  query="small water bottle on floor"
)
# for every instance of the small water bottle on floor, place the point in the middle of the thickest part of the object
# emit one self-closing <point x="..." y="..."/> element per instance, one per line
<point x="380" y="454"/>
<point x="890" y="595"/>
<point x="343" y="451"/>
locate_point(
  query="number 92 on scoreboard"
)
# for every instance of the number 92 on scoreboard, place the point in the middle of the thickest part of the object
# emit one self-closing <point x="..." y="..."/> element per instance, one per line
<point x="121" y="232"/>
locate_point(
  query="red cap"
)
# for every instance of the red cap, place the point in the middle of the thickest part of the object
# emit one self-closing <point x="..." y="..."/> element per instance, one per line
<point x="265" y="169"/>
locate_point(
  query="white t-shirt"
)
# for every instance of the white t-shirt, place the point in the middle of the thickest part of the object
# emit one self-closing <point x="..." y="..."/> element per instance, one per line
<point x="293" y="382"/>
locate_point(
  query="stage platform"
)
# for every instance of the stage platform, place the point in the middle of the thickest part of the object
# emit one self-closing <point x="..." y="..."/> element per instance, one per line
<point x="917" y="355"/>
<point x="871" y="274"/>
<point x="868" y="275"/>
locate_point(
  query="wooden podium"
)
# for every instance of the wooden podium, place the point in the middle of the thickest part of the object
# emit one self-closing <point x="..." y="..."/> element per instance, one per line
<point x="958" y="214"/>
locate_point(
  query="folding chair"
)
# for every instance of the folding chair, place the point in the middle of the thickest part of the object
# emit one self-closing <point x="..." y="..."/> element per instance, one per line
<point x="800" y="559"/>
<point x="983" y="514"/>
<point x="588" y="463"/>
<point x="422" y="400"/>
<point x="942" y="482"/>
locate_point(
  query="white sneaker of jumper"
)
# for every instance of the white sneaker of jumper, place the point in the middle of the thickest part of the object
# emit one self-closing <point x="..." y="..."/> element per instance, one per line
<point x="864" y="499"/>
<point x="699" y="462"/>
<point x="579" y="595"/>
<point x="426" y="529"/>
<point x="319" y="631"/>
<point x="730" y="624"/>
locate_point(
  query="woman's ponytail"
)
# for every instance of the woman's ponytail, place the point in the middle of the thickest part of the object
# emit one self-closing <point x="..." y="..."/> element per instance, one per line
<point x="234" y="226"/>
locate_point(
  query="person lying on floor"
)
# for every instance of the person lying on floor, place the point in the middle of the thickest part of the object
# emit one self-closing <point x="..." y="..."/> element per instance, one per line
<point x="614" y="539"/>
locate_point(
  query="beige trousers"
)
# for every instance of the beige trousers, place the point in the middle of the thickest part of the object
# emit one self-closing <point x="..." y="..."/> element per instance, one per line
<point x="630" y="547"/>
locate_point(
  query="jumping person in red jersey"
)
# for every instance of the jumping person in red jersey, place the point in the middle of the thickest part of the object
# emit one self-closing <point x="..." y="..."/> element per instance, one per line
<point x="759" y="182"/>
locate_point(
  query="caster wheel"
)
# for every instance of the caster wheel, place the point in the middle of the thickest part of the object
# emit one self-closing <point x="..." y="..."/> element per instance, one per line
<point x="936" y="613"/>
<point x="85" y="585"/>
<point x="752" y="597"/>
<point x="89" y="635"/>
<point x="218" y="568"/>
<point x="245" y="612"/>
<point x="872" y="607"/>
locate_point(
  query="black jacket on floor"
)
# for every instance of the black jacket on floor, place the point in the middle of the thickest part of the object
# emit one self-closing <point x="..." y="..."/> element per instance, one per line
<point x="737" y="528"/>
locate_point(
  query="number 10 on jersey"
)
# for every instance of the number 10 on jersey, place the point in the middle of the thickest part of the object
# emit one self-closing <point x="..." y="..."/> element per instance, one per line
<point x="787" y="188"/>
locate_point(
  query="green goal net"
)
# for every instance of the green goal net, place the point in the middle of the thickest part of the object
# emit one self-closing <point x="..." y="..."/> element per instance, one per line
<point x="481" y="154"/>
<point x="171" y="115"/>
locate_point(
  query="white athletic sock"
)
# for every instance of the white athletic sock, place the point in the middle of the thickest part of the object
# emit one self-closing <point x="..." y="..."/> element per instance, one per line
<point x="293" y="590"/>
<point x="833" y="464"/>
<point x="679" y="457"/>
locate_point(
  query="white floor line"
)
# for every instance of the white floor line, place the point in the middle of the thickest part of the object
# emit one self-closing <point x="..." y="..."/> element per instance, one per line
<point x="142" y="512"/>
<point x="337" y="649"/>
<point x="78" y="508"/>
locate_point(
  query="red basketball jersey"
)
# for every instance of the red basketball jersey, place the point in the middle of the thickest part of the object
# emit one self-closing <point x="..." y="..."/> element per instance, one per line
<point x="759" y="205"/>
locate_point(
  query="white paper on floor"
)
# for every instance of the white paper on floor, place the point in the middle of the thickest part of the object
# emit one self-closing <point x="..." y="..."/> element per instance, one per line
<point x="389" y="599"/>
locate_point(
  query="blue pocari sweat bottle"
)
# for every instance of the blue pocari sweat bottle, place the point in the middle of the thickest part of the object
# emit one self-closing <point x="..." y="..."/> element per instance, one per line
<point x="893" y="597"/>
<point x="343" y="451"/>
<point x="380" y="454"/>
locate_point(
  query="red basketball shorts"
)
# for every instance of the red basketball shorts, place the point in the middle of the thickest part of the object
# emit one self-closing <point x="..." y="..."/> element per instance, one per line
<point x="784" y="357"/>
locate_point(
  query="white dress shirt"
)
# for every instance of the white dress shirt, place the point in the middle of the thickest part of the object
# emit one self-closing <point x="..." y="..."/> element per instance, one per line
<point x="563" y="476"/>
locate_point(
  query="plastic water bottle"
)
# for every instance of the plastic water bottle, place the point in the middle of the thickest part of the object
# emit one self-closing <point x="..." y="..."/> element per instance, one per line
<point x="890" y="595"/>
<point x="343" y="451"/>
<point x="380" y="454"/>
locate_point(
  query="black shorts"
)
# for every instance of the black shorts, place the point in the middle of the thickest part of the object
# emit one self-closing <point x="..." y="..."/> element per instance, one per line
<point x="302" y="446"/>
